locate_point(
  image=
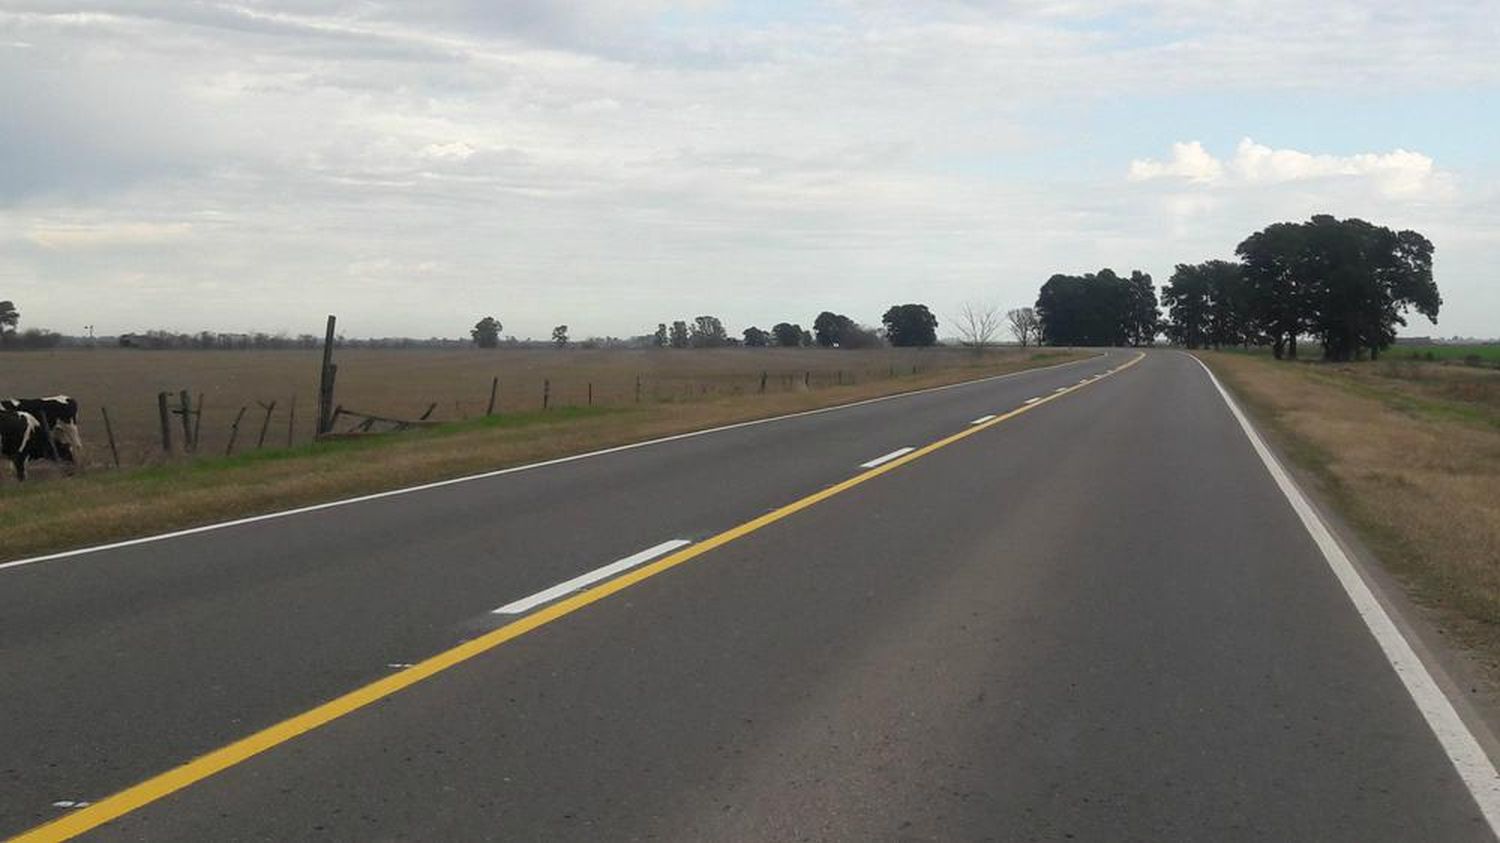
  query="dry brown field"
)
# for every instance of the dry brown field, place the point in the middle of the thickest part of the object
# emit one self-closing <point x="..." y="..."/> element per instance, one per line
<point x="682" y="391"/>
<point x="1410" y="454"/>
<point x="403" y="383"/>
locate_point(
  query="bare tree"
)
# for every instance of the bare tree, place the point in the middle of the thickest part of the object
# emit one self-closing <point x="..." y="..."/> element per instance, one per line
<point x="976" y="324"/>
<point x="1025" y="325"/>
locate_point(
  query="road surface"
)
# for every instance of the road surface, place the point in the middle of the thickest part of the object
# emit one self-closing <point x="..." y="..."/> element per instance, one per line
<point x="1079" y="608"/>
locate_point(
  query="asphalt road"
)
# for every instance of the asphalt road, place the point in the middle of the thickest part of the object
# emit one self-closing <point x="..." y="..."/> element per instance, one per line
<point x="1097" y="619"/>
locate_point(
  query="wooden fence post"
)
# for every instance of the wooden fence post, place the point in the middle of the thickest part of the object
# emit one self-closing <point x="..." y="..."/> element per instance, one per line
<point x="494" y="388"/>
<point x="198" y="421"/>
<point x="325" y="380"/>
<point x="265" y="424"/>
<point x="185" y="408"/>
<point x="807" y="379"/>
<point x="637" y="389"/>
<point x="591" y="393"/>
<point x="234" y="431"/>
<point x="110" y="432"/>
<point x="166" y="425"/>
<point x="291" y="420"/>
<point x="546" y="392"/>
<point x="762" y="381"/>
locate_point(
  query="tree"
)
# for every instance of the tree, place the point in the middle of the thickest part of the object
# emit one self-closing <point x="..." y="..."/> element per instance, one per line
<point x="977" y="323"/>
<point x="787" y="335"/>
<point x="708" y="332"/>
<point x="1271" y="260"/>
<point x="829" y="328"/>
<point x="1142" y="319"/>
<point x="659" y="339"/>
<point x="9" y="319"/>
<point x="1187" y="297"/>
<point x="1097" y="309"/>
<point x="560" y="336"/>
<point x="1347" y="282"/>
<point x="1024" y="325"/>
<point x="486" y="332"/>
<point x="910" y="325"/>
<point x="679" y="337"/>
<point x="756" y="338"/>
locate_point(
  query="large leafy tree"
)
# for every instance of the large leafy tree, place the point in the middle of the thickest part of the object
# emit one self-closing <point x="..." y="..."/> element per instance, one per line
<point x="910" y="325"/>
<point x="756" y="338"/>
<point x="486" y="332"/>
<point x="9" y="319"/>
<point x="1186" y="295"/>
<point x="1346" y="282"/>
<point x="708" y="332"/>
<point x="679" y="334"/>
<point x="1277" y="288"/>
<point x="787" y="334"/>
<point x="1097" y="309"/>
<point x="832" y="329"/>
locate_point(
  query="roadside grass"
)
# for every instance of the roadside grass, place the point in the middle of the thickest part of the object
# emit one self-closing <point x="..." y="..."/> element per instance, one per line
<point x="1410" y="455"/>
<point x="1486" y="353"/>
<point x="102" y="505"/>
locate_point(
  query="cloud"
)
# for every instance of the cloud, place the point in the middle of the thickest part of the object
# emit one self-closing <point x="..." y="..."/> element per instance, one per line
<point x="1189" y="161"/>
<point x="619" y="161"/>
<point x="58" y="236"/>
<point x="1397" y="174"/>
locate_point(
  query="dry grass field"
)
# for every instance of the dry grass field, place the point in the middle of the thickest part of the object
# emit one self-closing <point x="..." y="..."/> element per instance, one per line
<point x="404" y="383"/>
<point x="1410" y="452"/>
<point x="681" y="391"/>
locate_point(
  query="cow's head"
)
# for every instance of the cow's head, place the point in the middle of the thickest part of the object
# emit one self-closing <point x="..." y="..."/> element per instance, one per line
<point x="67" y="441"/>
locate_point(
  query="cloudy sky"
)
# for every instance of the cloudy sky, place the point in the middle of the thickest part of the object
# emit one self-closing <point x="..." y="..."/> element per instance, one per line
<point x="610" y="164"/>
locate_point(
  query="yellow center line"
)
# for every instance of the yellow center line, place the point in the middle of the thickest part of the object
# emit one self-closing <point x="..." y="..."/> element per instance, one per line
<point x="137" y="796"/>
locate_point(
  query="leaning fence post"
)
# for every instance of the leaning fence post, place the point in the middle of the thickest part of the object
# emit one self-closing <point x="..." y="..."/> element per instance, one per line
<point x="494" y="388"/>
<point x="265" y="425"/>
<point x="166" y="424"/>
<point x="234" y="431"/>
<point x="110" y="433"/>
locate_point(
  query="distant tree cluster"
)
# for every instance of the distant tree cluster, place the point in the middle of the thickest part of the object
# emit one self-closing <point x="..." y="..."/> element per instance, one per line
<point x="12" y="338"/>
<point x="1098" y="308"/>
<point x="1346" y="283"/>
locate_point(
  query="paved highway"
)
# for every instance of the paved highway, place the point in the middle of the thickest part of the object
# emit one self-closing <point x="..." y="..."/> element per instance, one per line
<point x="1080" y="607"/>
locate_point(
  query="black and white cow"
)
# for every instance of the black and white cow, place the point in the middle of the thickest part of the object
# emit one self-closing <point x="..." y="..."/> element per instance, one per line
<point x="58" y="417"/>
<point x="21" y="440"/>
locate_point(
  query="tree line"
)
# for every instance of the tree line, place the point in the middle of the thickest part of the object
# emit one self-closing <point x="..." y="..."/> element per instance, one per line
<point x="1345" y="283"/>
<point x="903" y="325"/>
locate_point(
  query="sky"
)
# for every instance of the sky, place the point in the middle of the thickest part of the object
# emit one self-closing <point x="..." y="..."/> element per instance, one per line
<point x="612" y="164"/>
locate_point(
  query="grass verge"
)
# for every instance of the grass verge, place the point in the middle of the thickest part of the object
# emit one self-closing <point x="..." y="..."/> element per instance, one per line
<point x="1410" y="456"/>
<point x="106" y="506"/>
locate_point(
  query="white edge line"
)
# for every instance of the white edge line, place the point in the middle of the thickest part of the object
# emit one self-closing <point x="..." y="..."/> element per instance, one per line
<point x="899" y="452"/>
<point x="1032" y="400"/>
<point x="1464" y="750"/>
<point x="982" y="419"/>
<point x="284" y="513"/>
<point x="547" y="595"/>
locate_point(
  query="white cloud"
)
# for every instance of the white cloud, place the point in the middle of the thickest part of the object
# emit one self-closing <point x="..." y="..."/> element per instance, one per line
<point x="61" y="236"/>
<point x="624" y="160"/>
<point x="1394" y="175"/>
<point x="1189" y="161"/>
